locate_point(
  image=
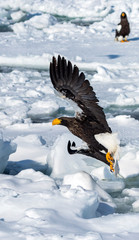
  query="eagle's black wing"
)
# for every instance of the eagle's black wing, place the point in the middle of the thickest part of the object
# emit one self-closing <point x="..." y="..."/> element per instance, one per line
<point x="67" y="80"/>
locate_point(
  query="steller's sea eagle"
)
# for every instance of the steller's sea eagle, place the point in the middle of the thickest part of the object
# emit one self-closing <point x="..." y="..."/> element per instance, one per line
<point x="123" y="29"/>
<point x="89" y="124"/>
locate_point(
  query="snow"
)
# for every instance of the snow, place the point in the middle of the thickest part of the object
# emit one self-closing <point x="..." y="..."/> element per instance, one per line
<point x="45" y="193"/>
<point x="6" y="149"/>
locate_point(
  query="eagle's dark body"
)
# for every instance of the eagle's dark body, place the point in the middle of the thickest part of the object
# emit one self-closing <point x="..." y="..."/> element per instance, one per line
<point x="88" y="122"/>
<point x="123" y="28"/>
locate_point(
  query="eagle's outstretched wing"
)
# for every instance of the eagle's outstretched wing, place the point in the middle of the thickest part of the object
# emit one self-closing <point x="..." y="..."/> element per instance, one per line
<point x="73" y="85"/>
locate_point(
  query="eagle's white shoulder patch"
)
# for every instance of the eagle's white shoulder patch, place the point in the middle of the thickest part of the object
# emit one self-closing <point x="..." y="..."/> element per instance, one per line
<point x="119" y="27"/>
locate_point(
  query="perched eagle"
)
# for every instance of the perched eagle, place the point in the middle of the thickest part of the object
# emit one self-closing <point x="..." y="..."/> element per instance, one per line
<point x="89" y="123"/>
<point x="123" y="29"/>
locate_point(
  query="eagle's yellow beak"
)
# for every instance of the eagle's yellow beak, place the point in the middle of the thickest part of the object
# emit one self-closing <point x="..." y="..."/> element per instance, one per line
<point x="56" y="121"/>
<point x="123" y="14"/>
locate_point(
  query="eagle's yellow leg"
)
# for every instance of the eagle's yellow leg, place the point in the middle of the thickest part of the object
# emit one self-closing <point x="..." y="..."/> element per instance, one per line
<point x="110" y="159"/>
<point x="122" y="40"/>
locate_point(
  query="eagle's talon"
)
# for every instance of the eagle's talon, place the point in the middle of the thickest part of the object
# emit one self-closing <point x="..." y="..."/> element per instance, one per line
<point x="110" y="160"/>
<point x="69" y="145"/>
<point x="73" y="144"/>
<point x="111" y="168"/>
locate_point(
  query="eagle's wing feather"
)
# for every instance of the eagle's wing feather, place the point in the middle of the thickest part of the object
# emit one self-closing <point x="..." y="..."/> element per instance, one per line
<point x="67" y="80"/>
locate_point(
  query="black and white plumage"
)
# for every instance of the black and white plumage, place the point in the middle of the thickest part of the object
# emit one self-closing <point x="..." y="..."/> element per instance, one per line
<point x="89" y="124"/>
<point x="123" y="29"/>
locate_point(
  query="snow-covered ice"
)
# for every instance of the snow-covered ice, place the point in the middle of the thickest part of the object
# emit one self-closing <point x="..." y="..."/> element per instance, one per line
<point x="45" y="193"/>
<point x="6" y="148"/>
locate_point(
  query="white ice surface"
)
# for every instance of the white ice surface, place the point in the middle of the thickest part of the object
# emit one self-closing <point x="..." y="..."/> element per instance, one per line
<point x="6" y="148"/>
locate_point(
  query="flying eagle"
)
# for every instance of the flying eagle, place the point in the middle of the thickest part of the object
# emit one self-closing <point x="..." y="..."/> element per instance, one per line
<point x="89" y="123"/>
<point x="123" y="29"/>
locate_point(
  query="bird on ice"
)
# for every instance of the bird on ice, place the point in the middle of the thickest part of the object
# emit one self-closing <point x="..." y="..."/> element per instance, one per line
<point x="123" y="29"/>
<point x="89" y="123"/>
